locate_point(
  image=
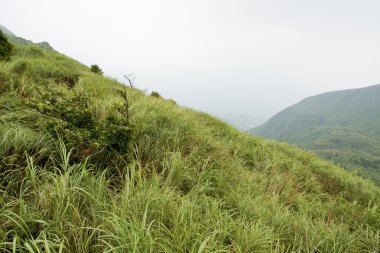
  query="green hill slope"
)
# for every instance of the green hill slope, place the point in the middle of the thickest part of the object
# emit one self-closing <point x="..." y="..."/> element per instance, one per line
<point x="21" y="41"/>
<point x="88" y="165"/>
<point x="343" y="126"/>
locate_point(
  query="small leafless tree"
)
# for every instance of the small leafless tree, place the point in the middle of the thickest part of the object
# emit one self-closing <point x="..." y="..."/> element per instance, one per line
<point x="131" y="79"/>
<point x="126" y="103"/>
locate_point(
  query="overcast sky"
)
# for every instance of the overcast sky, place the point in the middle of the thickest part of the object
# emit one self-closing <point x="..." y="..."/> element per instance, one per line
<point x="244" y="56"/>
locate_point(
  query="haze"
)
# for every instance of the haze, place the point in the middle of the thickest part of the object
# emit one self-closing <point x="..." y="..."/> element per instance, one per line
<point x="246" y="57"/>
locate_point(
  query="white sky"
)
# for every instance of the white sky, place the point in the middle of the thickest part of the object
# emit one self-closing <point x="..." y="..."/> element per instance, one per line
<point x="250" y="57"/>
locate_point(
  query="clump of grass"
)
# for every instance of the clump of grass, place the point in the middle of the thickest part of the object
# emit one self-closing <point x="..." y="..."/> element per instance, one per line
<point x="155" y="94"/>
<point x="16" y="140"/>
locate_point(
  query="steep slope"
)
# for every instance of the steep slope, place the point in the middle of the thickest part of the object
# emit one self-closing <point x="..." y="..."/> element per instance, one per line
<point x="343" y="126"/>
<point x="89" y="165"/>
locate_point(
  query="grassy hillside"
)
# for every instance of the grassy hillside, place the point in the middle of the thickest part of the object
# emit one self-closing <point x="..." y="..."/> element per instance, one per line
<point x="88" y="165"/>
<point x="342" y="126"/>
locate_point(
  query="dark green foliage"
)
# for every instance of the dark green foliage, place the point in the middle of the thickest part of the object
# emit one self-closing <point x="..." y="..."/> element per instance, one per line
<point x="96" y="69"/>
<point x="6" y="48"/>
<point x="68" y="79"/>
<point x="117" y="132"/>
<point x="155" y="94"/>
<point x="172" y="101"/>
<point x="71" y="117"/>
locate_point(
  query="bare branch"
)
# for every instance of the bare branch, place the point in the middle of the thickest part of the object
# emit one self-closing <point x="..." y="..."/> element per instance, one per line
<point x="131" y="79"/>
<point x="126" y="103"/>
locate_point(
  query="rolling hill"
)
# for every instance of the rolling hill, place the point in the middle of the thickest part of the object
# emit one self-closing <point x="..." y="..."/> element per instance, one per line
<point x="88" y="164"/>
<point x="342" y="126"/>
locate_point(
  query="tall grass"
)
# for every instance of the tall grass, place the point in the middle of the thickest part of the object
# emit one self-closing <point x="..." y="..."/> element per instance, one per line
<point x="189" y="183"/>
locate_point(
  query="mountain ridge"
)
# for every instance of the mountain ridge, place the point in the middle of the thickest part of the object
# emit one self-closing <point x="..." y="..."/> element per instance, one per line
<point x="344" y="121"/>
<point x="19" y="40"/>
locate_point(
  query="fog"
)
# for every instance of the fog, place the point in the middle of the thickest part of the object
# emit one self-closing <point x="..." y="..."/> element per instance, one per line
<point x="247" y="57"/>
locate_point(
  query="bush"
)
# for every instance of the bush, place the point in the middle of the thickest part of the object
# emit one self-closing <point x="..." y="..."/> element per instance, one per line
<point x="95" y="69"/>
<point x="71" y="117"/>
<point x="6" y="48"/>
<point x="68" y="79"/>
<point x="155" y="94"/>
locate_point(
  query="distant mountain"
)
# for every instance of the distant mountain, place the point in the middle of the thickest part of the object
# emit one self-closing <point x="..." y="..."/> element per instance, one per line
<point x="15" y="39"/>
<point x="342" y="126"/>
<point x="240" y="121"/>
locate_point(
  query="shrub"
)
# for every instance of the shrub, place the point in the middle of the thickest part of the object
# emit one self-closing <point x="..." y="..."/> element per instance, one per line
<point x="95" y="69"/>
<point x="71" y="117"/>
<point x="69" y="79"/>
<point x="155" y="94"/>
<point x="6" y="48"/>
<point x="172" y="101"/>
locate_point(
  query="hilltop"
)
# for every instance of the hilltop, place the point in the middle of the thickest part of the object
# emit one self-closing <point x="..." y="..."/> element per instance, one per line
<point x="91" y="165"/>
<point x="6" y="30"/>
<point x="21" y="41"/>
<point x="342" y="126"/>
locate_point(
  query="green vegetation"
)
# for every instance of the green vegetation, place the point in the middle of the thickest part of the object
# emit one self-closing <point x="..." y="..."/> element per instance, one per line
<point x="155" y="94"/>
<point x="89" y="165"/>
<point x="5" y="48"/>
<point x="21" y="41"/>
<point x="6" y="30"/>
<point x="342" y="126"/>
<point x="96" y="69"/>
